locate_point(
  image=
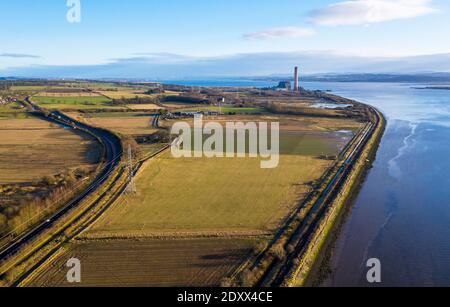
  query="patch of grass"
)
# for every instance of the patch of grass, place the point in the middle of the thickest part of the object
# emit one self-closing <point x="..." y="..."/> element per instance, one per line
<point x="236" y="110"/>
<point x="12" y="111"/>
<point x="74" y="101"/>
<point x="125" y="125"/>
<point x="212" y="195"/>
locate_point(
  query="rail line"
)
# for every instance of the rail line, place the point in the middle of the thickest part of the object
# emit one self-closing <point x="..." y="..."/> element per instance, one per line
<point x="112" y="153"/>
<point x="278" y="270"/>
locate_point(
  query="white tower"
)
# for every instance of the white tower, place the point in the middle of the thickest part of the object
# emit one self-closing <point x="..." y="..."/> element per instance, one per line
<point x="296" y="85"/>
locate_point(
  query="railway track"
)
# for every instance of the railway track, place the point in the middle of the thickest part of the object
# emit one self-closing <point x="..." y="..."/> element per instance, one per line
<point x="112" y="153"/>
<point x="301" y="237"/>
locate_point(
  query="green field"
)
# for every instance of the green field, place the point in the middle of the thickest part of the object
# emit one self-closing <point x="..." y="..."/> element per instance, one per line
<point x="88" y="102"/>
<point x="236" y="110"/>
<point x="12" y="111"/>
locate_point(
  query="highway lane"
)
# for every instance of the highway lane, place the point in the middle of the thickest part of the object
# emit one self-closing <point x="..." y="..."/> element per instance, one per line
<point x="113" y="151"/>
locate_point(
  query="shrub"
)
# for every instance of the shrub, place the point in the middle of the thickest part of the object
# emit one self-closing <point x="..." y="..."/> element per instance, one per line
<point x="278" y="252"/>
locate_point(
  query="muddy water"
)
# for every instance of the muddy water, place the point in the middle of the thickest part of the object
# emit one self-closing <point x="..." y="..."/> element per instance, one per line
<point x="402" y="214"/>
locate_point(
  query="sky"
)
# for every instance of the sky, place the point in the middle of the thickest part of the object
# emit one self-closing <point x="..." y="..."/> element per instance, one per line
<point x="176" y="38"/>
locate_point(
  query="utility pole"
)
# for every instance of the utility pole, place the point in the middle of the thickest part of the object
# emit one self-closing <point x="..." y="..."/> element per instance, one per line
<point x="131" y="186"/>
<point x="220" y="105"/>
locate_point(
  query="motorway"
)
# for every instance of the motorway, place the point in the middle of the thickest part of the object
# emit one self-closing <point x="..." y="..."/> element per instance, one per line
<point x="112" y="154"/>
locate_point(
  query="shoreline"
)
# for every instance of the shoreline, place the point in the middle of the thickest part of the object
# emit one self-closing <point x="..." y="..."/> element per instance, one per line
<point x="321" y="271"/>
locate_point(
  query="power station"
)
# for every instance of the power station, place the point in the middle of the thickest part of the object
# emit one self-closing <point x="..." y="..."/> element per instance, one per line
<point x="287" y="85"/>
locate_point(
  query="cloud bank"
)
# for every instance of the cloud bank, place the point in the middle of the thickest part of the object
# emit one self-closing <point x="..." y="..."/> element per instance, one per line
<point x="292" y="32"/>
<point x="251" y="64"/>
<point x="18" y="55"/>
<point x="361" y="12"/>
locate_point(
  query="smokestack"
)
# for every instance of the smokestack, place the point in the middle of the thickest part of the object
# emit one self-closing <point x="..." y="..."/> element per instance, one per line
<point x="296" y="88"/>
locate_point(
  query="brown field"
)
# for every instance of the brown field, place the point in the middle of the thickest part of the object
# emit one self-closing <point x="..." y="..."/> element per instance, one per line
<point x="219" y="196"/>
<point x="68" y="94"/>
<point x="32" y="148"/>
<point x="124" y="125"/>
<point x="157" y="263"/>
<point x="145" y="107"/>
<point x="124" y="93"/>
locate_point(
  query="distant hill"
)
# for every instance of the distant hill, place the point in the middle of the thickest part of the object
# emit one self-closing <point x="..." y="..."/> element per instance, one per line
<point x="407" y="78"/>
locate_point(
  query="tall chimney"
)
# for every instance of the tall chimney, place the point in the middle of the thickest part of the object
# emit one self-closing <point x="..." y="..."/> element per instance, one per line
<point x="296" y="88"/>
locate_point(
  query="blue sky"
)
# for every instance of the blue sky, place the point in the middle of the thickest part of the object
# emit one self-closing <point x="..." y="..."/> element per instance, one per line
<point x="113" y="31"/>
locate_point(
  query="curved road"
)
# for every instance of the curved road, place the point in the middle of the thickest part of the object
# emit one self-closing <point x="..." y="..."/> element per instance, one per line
<point x="112" y="154"/>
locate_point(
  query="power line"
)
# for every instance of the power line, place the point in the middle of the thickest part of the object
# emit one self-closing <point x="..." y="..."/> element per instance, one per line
<point x="131" y="186"/>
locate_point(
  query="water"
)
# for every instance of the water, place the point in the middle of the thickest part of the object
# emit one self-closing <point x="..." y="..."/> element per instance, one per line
<point x="402" y="214"/>
<point x="221" y="82"/>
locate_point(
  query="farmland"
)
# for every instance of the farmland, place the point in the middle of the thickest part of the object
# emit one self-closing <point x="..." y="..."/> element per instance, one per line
<point x="195" y="262"/>
<point x="32" y="148"/>
<point x="220" y="195"/>
<point x="123" y="124"/>
<point x="192" y="222"/>
<point x="73" y="102"/>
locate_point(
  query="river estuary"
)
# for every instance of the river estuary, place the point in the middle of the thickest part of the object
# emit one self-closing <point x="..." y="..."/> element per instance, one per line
<point x="402" y="214"/>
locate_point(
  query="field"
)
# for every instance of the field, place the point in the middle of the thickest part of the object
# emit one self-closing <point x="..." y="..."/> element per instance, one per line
<point x="124" y="93"/>
<point x="121" y="123"/>
<point x="32" y="148"/>
<point x="236" y="110"/>
<point x="146" y="107"/>
<point x="12" y="111"/>
<point x="74" y="102"/>
<point x="220" y="196"/>
<point x="193" y="221"/>
<point x="157" y="263"/>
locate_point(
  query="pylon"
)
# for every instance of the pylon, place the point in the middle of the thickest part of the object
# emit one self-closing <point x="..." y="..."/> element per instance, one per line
<point x="131" y="186"/>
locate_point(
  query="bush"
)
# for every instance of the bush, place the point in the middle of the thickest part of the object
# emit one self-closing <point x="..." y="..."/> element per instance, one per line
<point x="226" y="283"/>
<point x="248" y="279"/>
<point x="259" y="248"/>
<point x="3" y="223"/>
<point x="278" y="252"/>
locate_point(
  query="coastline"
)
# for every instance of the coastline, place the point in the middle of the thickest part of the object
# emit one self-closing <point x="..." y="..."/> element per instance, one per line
<point x="321" y="269"/>
<point x="308" y="262"/>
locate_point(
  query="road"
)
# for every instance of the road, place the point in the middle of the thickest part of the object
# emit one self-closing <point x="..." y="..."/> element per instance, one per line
<point x="112" y="154"/>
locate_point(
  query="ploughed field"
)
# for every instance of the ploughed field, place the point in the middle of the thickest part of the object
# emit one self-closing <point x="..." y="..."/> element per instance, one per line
<point x="195" y="221"/>
<point x="157" y="263"/>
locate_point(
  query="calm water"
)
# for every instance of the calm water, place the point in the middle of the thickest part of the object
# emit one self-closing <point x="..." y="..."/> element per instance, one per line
<point x="402" y="215"/>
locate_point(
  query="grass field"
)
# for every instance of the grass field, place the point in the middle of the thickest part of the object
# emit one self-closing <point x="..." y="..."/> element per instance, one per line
<point x="74" y="102"/>
<point x="157" y="263"/>
<point x="32" y="148"/>
<point x="12" y="111"/>
<point x="146" y="107"/>
<point x="124" y="125"/>
<point x="223" y="109"/>
<point x="124" y="93"/>
<point x="223" y="195"/>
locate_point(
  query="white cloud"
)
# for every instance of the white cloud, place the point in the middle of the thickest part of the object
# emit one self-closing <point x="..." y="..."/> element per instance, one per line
<point x="292" y="32"/>
<point x="360" y="12"/>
